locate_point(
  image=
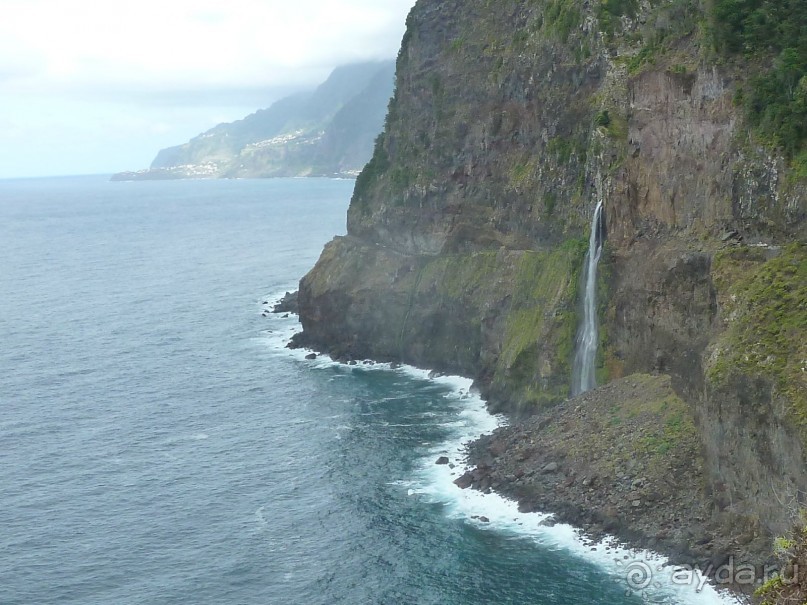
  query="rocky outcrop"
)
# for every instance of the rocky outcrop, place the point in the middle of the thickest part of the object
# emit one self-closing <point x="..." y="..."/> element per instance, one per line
<point x="489" y="314"/>
<point x="467" y="230"/>
<point x="287" y="304"/>
<point x="687" y="165"/>
<point x="623" y="460"/>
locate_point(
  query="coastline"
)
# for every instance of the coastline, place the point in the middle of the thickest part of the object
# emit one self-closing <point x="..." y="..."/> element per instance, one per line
<point x="645" y="571"/>
<point x="562" y="461"/>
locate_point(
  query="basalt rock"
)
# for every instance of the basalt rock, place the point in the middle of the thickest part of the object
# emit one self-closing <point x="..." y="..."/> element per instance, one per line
<point x="287" y="304"/>
<point x="468" y="228"/>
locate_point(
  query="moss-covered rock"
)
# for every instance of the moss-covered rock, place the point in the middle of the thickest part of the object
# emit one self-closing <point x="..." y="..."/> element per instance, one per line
<point x="507" y="317"/>
<point x="534" y="366"/>
<point x="625" y="459"/>
<point x="790" y="585"/>
<point x="765" y="311"/>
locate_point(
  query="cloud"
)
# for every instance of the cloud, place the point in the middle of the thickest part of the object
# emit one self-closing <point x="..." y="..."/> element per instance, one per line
<point x="100" y="85"/>
<point x="164" y="45"/>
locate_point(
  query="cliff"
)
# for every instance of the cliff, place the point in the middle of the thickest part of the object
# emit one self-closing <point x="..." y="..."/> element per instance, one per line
<point x="467" y="231"/>
<point x="326" y="132"/>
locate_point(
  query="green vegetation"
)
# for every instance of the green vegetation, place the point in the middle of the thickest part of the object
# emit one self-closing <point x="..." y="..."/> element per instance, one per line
<point x="675" y="426"/>
<point x="772" y="34"/>
<point x="616" y="127"/>
<point x="520" y="173"/>
<point x="407" y="38"/>
<point x="602" y="119"/>
<point x="520" y="38"/>
<point x="609" y="12"/>
<point x="561" y="148"/>
<point x="645" y="56"/>
<point x="659" y="33"/>
<point x="564" y="149"/>
<point x="377" y="166"/>
<point x="766" y="307"/>
<point x="538" y="326"/>
<point x="799" y="165"/>
<point x="541" y="325"/>
<point x="401" y="178"/>
<point x="458" y="276"/>
<point x="457" y="44"/>
<point x="560" y="17"/>
<point x="790" y="586"/>
<point x="642" y="420"/>
<point x="582" y="52"/>
<point x="550" y="202"/>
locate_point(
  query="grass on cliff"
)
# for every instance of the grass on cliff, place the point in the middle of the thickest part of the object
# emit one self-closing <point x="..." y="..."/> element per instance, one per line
<point x="375" y="168"/>
<point x="790" y="586"/>
<point x="765" y="306"/>
<point x="461" y="276"/>
<point x="541" y="324"/>
<point x="609" y="13"/>
<point x="636" y="425"/>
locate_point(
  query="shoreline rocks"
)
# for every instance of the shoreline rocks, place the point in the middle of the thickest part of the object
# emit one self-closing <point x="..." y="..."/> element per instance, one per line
<point x="287" y="304"/>
<point x="623" y="461"/>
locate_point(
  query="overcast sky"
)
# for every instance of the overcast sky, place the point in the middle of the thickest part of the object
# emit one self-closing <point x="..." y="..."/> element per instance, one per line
<point x="99" y="86"/>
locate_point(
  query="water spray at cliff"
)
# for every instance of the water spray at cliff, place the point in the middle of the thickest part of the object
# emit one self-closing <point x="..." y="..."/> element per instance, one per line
<point x="583" y="376"/>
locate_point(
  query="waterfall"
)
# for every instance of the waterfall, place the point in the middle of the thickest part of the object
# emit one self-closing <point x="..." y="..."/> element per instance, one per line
<point x="583" y="377"/>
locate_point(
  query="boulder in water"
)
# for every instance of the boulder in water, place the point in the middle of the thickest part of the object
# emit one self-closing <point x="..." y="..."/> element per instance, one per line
<point x="464" y="481"/>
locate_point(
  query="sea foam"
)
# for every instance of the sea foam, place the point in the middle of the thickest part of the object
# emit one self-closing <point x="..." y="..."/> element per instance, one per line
<point x="643" y="573"/>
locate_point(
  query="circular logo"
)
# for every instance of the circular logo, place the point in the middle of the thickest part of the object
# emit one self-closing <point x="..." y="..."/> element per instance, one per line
<point x="638" y="576"/>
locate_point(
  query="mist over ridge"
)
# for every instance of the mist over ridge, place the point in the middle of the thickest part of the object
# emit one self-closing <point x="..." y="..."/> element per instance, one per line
<point x="326" y="132"/>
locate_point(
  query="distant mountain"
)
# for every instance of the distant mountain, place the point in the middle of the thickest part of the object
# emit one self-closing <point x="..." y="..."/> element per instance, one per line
<point x="327" y="132"/>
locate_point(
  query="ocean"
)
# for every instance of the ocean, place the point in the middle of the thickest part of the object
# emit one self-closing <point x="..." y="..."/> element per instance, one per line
<point x="159" y="444"/>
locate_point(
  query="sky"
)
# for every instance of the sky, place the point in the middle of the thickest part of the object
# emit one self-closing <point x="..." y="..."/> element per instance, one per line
<point x="99" y="86"/>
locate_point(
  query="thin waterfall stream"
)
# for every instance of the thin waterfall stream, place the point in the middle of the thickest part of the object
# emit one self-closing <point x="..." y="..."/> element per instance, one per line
<point x="583" y="374"/>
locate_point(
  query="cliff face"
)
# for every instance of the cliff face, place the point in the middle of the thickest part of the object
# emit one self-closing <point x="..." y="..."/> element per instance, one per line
<point x="467" y="229"/>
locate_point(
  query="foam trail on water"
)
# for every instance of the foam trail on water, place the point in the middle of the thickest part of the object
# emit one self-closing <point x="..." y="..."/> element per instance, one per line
<point x="643" y="573"/>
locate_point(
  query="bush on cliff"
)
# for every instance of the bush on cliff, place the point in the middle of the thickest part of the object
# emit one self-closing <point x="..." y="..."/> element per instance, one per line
<point x="790" y="586"/>
<point x="772" y="34"/>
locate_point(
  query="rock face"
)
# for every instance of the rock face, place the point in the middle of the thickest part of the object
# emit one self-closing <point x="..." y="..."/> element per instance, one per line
<point x="624" y="459"/>
<point x="328" y="132"/>
<point x="467" y="231"/>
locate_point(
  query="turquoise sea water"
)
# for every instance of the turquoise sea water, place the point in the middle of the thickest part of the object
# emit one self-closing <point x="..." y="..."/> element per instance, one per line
<point x="159" y="445"/>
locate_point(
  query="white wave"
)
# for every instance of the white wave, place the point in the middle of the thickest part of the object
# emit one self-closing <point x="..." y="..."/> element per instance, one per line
<point x="277" y="294"/>
<point x="643" y="573"/>
<point x="175" y="440"/>
<point x="260" y="520"/>
<point x="402" y="483"/>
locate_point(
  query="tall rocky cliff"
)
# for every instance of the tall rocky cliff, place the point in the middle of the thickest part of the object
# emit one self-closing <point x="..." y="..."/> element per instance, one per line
<point x="467" y="229"/>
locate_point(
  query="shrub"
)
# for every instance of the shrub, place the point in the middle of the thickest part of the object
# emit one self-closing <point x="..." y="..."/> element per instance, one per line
<point x="770" y="32"/>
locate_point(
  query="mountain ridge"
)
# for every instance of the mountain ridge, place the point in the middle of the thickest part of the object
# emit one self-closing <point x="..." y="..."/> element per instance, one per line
<point x="325" y="132"/>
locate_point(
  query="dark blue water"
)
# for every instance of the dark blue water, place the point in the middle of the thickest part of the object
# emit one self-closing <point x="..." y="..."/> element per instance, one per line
<point x="158" y="445"/>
